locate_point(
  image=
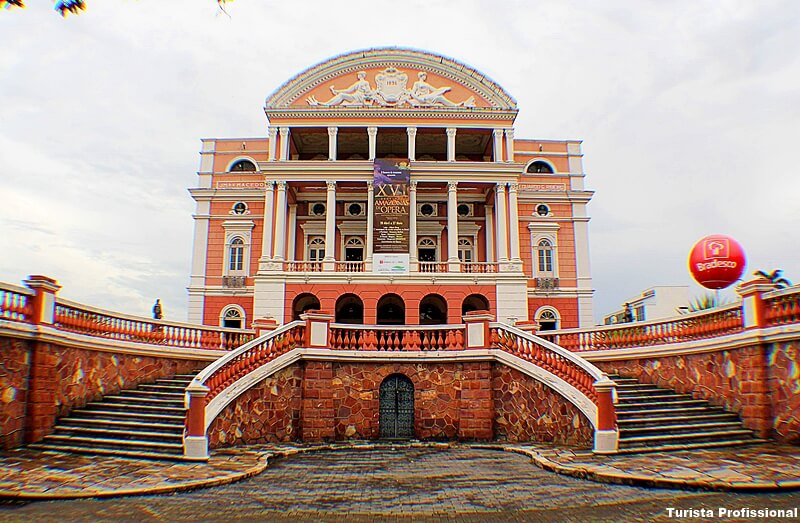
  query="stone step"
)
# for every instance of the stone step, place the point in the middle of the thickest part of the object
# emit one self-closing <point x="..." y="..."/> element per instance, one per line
<point x="632" y="391"/>
<point x="136" y="426"/>
<point x="127" y="415"/>
<point x="111" y="443"/>
<point x="687" y="417"/>
<point x="634" y="398"/>
<point x="179" y="382"/>
<point x="99" y="451"/>
<point x="667" y="403"/>
<point x="150" y="402"/>
<point x="653" y="411"/>
<point x="162" y="388"/>
<point x="674" y="447"/>
<point x="677" y="428"/>
<point x="128" y="407"/>
<point x="691" y="437"/>
<point x="146" y="395"/>
<point x="111" y="433"/>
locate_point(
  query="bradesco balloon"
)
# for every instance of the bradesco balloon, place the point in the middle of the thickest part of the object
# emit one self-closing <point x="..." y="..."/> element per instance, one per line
<point x="716" y="261"/>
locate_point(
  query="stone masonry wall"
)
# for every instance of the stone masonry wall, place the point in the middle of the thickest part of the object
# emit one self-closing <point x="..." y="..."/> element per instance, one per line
<point x="14" y="368"/>
<point x="267" y="413"/>
<point x="335" y="401"/>
<point x="783" y="361"/>
<point x="528" y="410"/>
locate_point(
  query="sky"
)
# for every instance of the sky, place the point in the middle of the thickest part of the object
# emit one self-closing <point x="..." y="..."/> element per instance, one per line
<point x="689" y="112"/>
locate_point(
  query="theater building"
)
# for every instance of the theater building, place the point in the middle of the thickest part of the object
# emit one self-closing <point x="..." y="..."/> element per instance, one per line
<point x="390" y="188"/>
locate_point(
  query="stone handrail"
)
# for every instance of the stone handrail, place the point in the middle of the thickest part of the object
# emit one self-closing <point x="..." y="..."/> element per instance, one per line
<point x="15" y="303"/>
<point x="303" y="266"/>
<point x="782" y="307"/>
<point x="699" y="325"/>
<point x="83" y="319"/>
<point x="396" y="338"/>
<point x="349" y="266"/>
<point x="426" y="266"/>
<point x="574" y="370"/>
<point x="479" y="267"/>
<point x="226" y="370"/>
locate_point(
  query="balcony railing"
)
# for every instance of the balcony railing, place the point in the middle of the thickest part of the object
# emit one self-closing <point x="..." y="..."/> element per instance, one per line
<point x="478" y="267"/>
<point x="349" y="266"/>
<point x="303" y="266"/>
<point x="432" y="266"/>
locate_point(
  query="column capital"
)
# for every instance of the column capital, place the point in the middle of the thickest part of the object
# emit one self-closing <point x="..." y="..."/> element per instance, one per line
<point x="272" y="131"/>
<point x="451" y="186"/>
<point x="412" y="185"/>
<point x="269" y="183"/>
<point x="451" y="131"/>
<point x="411" y="131"/>
<point x="284" y="131"/>
<point x="498" y="133"/>
<point x="332" y="131"/>
<point x="331" y="185"/>
<point x="370" y="185"/>
<point x="372" y="131"/>
<point x="509" y="133"/>
<point x="282" y="184"/>
<point x="501" y="187"/>
<point x="513" y="187"/>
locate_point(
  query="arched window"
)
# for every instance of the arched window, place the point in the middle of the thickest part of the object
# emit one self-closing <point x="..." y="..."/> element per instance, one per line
<point x="548" y="319"/>
<point x="465" y="251"/>
<point x="354" y="249"/>
<point x="474" y="302"/>
<point x="302" y="303"/>
<point x="232" y="317"/>
<point x="243" y="166"/>
<point x="539" y="167"/>
<point x="316" y="249"/>
<point x="432" y="310"/>
<point x="236" y="257"/>
<point x="545" y="256"/>
<point x="426" y="250"/>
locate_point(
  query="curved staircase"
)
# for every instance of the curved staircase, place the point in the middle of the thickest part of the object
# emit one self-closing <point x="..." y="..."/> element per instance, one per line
<point x="653" y="419"/>
<point x="145" y="422"/>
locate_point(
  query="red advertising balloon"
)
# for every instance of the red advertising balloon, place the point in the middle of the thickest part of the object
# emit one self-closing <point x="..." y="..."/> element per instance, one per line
<point x="716" y="261"/>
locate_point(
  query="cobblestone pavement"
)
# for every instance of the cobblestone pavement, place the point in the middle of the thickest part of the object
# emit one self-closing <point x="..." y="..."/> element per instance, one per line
<point x="460" y="484"/>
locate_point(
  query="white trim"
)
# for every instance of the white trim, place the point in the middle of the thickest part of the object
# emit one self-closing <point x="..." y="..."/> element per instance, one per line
<point x="539" y="159"/>
<point x="232" y="307"/>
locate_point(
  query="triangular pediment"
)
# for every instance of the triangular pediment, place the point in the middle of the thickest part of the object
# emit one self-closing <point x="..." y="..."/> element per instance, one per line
<point x="391" y="79"/>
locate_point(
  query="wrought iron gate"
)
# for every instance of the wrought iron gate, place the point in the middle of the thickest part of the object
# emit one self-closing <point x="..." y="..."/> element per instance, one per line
<point x="397" y="407"/>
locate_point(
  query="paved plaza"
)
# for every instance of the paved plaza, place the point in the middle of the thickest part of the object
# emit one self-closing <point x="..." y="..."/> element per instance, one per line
<point x="407" y="483"/>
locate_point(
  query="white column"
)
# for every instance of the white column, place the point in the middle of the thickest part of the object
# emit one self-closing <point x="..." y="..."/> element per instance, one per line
<point x="284" y="144"/>
<point x="292" y="243"/>
<point x="490" y="233"/>
<point x="332" y="132"/>
<point x="370" y="220"/>
<point x="269" y="216"/>
<point x="412" y="143"/>
<point x="502" y="225"/>
<point x="497" y="153"/>
<point x="513" y="231"/>
<point x="451" y="144"/>
<point x="197" y="281"/>
<point x="452" y="228"/>
<point x="372" y="132"/>
<point x="273" y="142"/>
<point x="330" y="228"/>
<point x="280" y="223"/>
<point x="412" y="223"/>
<point x="509" y="145"/>
<point x="582" y="264"/>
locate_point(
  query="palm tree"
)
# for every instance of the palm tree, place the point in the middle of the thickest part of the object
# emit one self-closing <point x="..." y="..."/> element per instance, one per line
<point x="774" y="278"/>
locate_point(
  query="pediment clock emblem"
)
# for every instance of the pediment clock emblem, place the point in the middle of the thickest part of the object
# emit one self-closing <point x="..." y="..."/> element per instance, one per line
<point x="391" y="87"/>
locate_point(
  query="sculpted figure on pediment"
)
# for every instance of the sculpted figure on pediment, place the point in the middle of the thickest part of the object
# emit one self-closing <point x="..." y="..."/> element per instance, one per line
<point x="360" y="93"/>
<point x="425" y="95"/>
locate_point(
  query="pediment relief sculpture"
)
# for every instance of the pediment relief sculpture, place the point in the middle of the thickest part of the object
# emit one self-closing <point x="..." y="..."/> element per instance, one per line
<point x="391" y="91"/>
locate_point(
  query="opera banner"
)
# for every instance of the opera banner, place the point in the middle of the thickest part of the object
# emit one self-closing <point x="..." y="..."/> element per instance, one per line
<point x="391" y="180"/>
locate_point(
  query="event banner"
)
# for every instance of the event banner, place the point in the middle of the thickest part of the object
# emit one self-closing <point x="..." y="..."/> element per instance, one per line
<point x="391" y="180"/>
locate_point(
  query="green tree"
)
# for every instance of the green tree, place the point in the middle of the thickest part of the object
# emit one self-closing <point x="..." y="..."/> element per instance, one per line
<point x="775" y="277"/>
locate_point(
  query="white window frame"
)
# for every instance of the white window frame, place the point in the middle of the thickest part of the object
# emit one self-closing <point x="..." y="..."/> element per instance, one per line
<point x="466" y="245"/>
<point x="548" y="310"/>
<point x="313" y="244"/>
<point x="432" y="240"/>
<point x="232" y="308"/>
<point x="244" y="231"/>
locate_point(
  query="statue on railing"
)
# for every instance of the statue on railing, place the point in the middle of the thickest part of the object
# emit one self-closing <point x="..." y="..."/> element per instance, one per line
<point x="157" y="312"/>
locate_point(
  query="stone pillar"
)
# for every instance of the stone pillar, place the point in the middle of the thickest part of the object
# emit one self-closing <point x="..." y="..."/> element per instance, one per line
<point x="43" y="301"/>
<point x="606" y="436"/>
<point x="264" y="326"/>
<point x="412" y="143"/>
<point x="513" y="225"/>
<point x="490" y="232"/>
<point x="412" y="227"/>
<point x="510" y="145"/>
<point x="329" y="262"/>
<point x="195" y="443"/>
<point x="284" y="143"/>
<point x="332" y="132"/>
<point x="372" y="132"/>
<point x="370" y="225"/>
<point x="280" y="223"/>
<point x="451" y="144"/>
<point x="497" y="153"/>
<point x="292" y="232"/>
<point x="502" y="223"/>
<point x="269" y="216"/>
<point x="452" y="228"/>
<point x="477" y="329"/>
<point x="273" y="142"/>
<point x="317" y="331"/>
<point x="753" y="303"/>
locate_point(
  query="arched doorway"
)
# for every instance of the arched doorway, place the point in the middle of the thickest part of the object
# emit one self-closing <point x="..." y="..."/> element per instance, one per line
<point x="302" y="303"/>
<point x="232" y="317"/>
<point x="397" y="407"/>
<point x="432" y="310"/>
<point x="391" y="310"/>
<point x="548" y="319"/>
<point x="349" y="309"/>
<point x="474" y="302"/>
